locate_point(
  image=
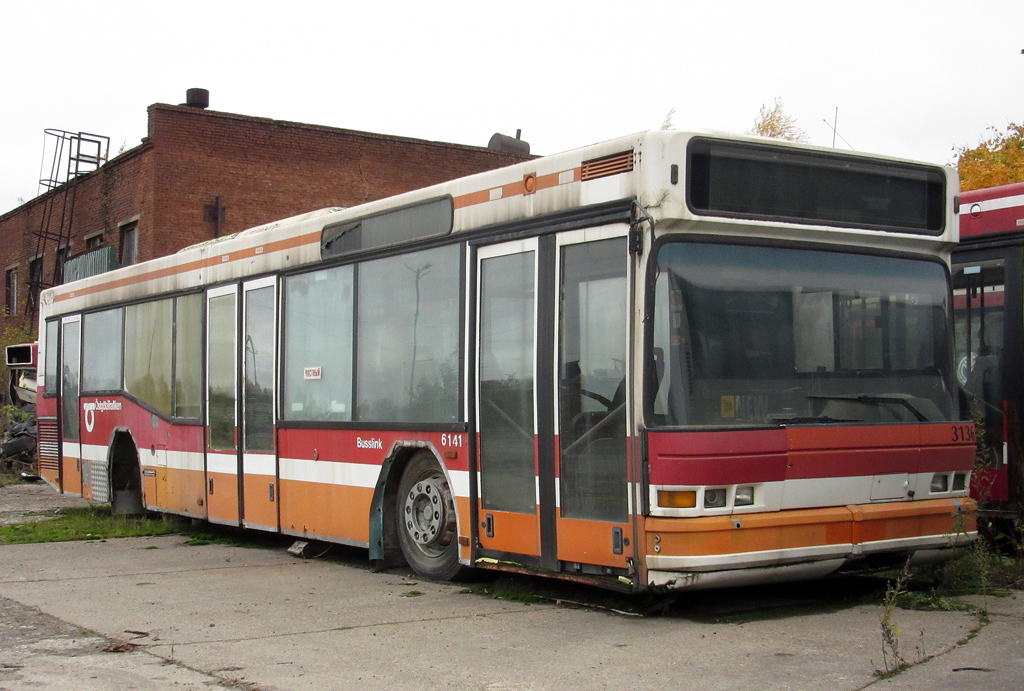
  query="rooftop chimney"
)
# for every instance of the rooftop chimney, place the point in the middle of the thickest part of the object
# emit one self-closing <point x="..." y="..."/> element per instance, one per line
<point x="197" y="98"/>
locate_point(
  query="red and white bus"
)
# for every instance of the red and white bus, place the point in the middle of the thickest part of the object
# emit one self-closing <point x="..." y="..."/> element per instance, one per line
<point x="669" y="360"/>
<point x="987" y="286"/>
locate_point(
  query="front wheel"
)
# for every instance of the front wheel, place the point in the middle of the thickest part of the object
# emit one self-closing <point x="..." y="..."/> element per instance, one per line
<point x="426" y="514"/>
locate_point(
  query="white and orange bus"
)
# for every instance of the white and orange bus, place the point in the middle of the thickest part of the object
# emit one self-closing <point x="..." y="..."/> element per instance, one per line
<point x="669" y="360"/>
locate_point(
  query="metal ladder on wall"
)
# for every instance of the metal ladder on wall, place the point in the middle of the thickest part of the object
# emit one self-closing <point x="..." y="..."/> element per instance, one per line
<point x="74" y="155"/>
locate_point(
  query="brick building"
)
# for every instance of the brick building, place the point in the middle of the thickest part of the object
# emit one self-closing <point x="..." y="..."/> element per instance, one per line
<point x="200" y="174"/>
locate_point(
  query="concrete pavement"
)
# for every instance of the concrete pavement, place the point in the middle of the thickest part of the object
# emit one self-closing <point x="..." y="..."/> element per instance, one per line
<point x="157" y="613"/>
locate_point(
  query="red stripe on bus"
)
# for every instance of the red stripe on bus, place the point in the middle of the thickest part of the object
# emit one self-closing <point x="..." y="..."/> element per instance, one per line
<point x="368" y="446"/>
<point x="992" y="299"/>
<point x="991" y="221"/>
<point x="731" y="457"/>
<point x="717" y="458"/>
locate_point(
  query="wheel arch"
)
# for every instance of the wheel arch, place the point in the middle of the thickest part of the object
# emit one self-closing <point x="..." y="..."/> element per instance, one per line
<point x="124" y="476"/>
<point x="384" y="540"/>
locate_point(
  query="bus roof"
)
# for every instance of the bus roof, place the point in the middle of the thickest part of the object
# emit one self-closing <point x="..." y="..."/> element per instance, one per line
<point x="584" y="177"/>
<point x="992" y="210"/>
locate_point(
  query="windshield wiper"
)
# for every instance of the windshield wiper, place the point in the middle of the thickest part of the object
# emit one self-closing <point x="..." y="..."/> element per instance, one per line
<point x="876" y="400"/>
<point x="805" y="419"/>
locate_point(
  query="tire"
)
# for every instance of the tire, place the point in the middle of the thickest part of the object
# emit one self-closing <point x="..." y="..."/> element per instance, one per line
<point x="427" y="527"/>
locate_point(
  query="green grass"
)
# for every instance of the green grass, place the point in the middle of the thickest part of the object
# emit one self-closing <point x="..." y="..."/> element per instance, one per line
<point x="7" y="479"/>
<point x="931" y="601"/>
<point x="92" y="523"/>
<point x="980" y="570"/>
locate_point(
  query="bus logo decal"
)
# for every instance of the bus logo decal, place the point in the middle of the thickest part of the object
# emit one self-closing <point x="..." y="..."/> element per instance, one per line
<point x="91" y="408"/>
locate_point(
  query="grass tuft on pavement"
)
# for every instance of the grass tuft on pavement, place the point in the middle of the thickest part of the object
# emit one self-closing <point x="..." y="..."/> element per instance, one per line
<point x="90" y="523"/>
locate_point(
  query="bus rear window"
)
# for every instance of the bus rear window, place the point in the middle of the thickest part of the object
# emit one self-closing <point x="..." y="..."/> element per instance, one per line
<point x="753" y="181"/>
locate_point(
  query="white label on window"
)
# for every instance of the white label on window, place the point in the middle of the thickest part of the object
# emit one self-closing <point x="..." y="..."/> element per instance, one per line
<point x="310" y="372"/>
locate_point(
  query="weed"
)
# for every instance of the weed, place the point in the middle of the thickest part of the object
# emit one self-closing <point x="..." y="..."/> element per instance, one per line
<point x="892" y="659"/>
<point x="932" y="601"/>
<point x="12" y="413"/>
<point x="980" y="570"/>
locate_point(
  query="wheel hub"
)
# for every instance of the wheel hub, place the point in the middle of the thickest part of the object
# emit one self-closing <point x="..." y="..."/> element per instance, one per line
<point x="429" y="514"/>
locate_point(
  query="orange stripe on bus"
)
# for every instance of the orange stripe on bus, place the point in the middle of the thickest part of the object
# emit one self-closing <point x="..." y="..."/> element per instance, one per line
<point x="512" y="189"/>
<point x="196" y="265"/>
<point x="462" y="506"/>
<point x="892" y="521"/>
<point x="719" y="535"/>
<point x="175" y="489"/>
<point x="312" y="508"/>
<point x="71" y="479"/>
<point x="51" y="475"/>
<point x="590" y="542"/>
<point x="516" y="189"/>
<point x="260" y="499"/>
<point x="807" y="528"/>
<point x="516" y="533"/>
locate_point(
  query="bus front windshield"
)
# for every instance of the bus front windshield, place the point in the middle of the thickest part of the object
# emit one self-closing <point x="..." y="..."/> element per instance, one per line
<point x="769" y="336"/>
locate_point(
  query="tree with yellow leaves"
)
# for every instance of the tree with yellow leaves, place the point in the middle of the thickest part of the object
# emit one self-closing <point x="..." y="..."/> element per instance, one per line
<point x="772" y="122"/>
<point x="998" y="160"/>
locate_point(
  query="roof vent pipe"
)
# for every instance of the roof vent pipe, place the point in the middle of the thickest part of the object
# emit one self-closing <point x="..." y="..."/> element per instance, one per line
<point x="506" y="144"/>
<point x="197" y="98"/>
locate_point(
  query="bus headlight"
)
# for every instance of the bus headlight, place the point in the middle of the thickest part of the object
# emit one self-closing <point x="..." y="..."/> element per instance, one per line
<point x="959" y="482"/>
<point x="714" y="498"/>
<point x="940" y="483"/>
<point x="683" y="499"/>
<point x="744" y="496"/>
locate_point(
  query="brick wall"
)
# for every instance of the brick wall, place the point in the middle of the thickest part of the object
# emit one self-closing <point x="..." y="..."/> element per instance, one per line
<point x="265" y="170"/>
<point x="261" y="169"/>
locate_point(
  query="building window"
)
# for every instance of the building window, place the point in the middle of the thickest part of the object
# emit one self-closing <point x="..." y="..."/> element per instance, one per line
<point x="94" y="241"/>
<point x="35" y="274"/>
<point x="35" y="280"/>
<point x="11" y="293"/>
<point x="58" y="271"/>
<point x="129" y="243"/>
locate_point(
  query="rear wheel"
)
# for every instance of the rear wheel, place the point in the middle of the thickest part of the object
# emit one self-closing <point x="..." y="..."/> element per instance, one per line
<point x="427" y="527"/>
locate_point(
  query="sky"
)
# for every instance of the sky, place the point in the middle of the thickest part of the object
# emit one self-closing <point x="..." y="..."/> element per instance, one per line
<point x="907" y="78"/>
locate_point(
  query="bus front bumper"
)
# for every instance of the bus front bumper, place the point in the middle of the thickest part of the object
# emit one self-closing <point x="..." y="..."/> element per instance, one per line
<point x="742" y="549"/>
